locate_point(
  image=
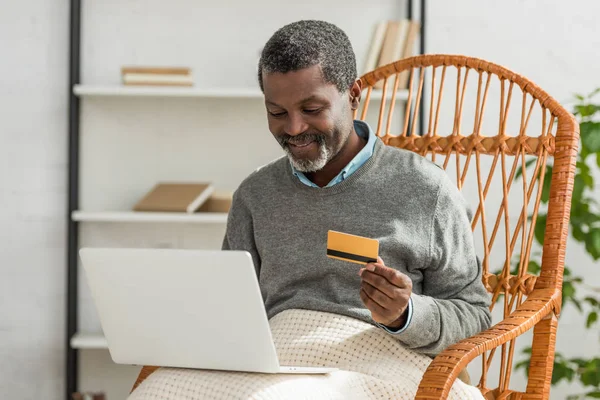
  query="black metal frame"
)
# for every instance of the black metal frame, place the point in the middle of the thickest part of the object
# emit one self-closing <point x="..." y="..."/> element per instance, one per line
<point x="422" y="14"/>
<point x="72" y="365"/>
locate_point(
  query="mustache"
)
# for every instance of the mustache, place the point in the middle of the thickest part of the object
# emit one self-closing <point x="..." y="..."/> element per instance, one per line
<point x="285" y="139"/>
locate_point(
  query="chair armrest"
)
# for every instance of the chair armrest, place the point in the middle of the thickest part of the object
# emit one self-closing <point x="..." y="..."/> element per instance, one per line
<point x="444" y="369"/>
<point x="144" y="373"/>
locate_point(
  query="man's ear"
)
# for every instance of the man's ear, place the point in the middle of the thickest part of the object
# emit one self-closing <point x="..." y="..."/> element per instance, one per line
<point x="355" y="91"/>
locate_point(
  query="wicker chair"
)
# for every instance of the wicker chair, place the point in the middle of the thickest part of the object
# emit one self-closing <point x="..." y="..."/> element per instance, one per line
<point x="527" y="300"/>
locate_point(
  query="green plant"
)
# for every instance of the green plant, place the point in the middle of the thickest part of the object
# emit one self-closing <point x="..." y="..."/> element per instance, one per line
<point x="585" y="228"/>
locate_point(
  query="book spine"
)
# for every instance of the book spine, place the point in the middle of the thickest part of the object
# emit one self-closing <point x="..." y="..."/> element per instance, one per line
<point x="408" y="51"/>
<point x="156" y="70"/>
<point x="375" y="48"/>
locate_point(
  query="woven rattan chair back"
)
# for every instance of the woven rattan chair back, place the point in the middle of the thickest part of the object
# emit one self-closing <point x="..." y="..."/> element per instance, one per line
<point x="496" y="133"/>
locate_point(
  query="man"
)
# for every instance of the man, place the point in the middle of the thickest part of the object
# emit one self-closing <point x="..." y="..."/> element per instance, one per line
<point x="426" y="287"/>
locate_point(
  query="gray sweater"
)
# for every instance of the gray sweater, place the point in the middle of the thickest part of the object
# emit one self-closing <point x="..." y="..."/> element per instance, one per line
<point x="398" y="197"/>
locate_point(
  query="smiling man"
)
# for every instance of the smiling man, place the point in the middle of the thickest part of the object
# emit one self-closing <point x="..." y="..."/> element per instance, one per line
<point x="425" y="290"/>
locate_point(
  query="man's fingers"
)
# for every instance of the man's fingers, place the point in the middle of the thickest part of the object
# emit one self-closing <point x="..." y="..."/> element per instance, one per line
<point x="378" y="313"/>
<point x="377" y="295"/>
<point x="379" y="282"/>
<point x="393" y="276"/>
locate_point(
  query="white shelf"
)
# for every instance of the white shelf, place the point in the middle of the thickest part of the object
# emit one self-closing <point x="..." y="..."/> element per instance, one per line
<point x="162" y="91"/>
<point x="88" y="340"/>
<point x="135" y="216"/>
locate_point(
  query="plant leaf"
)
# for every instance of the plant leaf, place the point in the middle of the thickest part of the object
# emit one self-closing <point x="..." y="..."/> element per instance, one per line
<point x="592" y="243"/>
<point x="578" y="234"/>
<point x="534" y="268"/>
<point x="593" y="302"/>
<point x="546" y="187"/>
<point x="522" y="365"/>
<point x="577" y="304"/>
<point x="540" y="228"/>
<point x="584" y="171"/>
<point x="580" y="362"/>
<point x="588" y="180"/>
<point x="590" y="135"/>
<point x="594" y="395"/>
<point x="585" y="110"/>
<point x="568" y="291"/>
<point x="578" y="187"/>
<point x="562" y="371"/>
<point x="591" y="319"/>
<point x="590" y="376"/>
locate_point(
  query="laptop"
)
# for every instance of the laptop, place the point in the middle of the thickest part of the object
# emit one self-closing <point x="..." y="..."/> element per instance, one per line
<point x="199" y="309"/>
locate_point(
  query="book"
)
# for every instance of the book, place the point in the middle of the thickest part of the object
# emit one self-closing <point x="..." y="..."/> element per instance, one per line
<point x="218" y="202"/>
<point x="408" y="51"/>
<point x="156" y="76"/>
<point x="155" y="70"/>
<point x="375" y="48"/>
<point x="175" y="197"/>
<point x="393" y="44"/>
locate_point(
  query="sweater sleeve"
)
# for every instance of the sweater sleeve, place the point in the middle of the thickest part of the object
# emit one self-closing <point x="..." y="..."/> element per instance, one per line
<point x="454" y="303"/>
<point x="239" y="234"/>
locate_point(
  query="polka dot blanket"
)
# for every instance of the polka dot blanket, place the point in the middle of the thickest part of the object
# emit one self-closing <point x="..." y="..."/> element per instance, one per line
<point x="372" y="365"/>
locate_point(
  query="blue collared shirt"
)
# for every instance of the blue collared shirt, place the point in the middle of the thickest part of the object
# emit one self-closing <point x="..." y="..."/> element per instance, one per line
<point x="364" y="131"/>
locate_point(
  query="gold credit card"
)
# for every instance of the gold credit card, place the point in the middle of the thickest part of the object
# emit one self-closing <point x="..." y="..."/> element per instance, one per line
<point x="356" y="249"/>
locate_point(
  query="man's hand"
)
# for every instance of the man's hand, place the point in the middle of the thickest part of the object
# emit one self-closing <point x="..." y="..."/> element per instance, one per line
<point x="386" y="293"/>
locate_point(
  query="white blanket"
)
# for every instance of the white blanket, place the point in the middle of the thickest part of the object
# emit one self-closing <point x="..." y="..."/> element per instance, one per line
<point x="373" y="365"/>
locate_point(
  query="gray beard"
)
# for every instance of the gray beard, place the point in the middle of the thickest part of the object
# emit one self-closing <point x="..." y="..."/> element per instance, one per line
<point x="310" y="165"/>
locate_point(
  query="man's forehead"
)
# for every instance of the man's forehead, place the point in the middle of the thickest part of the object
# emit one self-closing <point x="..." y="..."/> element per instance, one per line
<point x="297" y="86"/>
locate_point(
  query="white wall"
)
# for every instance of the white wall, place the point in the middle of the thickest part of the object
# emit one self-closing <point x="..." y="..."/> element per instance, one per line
<point x="543" y="41"/>
<point x="33" y="163"/>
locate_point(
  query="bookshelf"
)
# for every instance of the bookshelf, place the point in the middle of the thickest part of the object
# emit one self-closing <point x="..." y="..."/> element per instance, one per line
<point x="123" y="139"/>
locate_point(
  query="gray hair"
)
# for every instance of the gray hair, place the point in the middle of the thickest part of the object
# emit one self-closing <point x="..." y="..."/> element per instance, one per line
<point x="307" y="43"/>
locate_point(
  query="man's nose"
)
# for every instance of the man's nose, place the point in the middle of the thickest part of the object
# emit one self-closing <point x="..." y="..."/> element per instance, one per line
<point x="295" y="125"/>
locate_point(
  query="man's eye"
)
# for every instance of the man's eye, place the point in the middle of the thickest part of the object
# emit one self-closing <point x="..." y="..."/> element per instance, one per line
<point x="312" y="110"/>
<point x="277" y="114"/>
